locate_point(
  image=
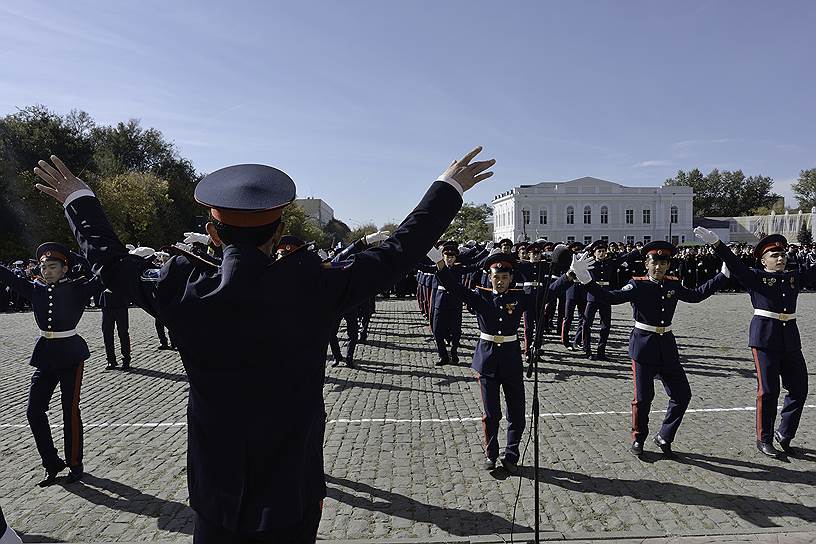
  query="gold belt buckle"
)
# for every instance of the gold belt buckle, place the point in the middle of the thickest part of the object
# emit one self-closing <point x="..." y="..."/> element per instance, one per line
<point x="498" y="339"/>
<point x="49" y="335"/>
<point x="783" y="317"/>
<point x="660" y="330"/>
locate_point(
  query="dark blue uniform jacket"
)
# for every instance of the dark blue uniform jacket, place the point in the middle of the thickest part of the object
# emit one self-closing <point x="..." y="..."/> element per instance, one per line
<point x="604" y="271"/>
<point x="253" y="335"/>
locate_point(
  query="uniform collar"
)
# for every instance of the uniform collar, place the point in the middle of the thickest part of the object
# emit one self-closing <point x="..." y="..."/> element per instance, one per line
<point x="247" y="253"/>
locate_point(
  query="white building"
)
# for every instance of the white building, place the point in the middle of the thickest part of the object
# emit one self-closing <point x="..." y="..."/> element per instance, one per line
<point x="316" y="209"/>
<point x="588" y="209"/>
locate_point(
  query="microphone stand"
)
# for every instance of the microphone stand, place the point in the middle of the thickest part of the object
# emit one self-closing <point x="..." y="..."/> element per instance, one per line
<point x="532" y="370"/>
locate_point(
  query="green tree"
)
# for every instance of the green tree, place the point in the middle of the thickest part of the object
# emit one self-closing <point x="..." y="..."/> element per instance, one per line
<point x="805" y="236"/>
<point x="470" y="223"/>
<point x="359" y="232"/>
<point x="140" y="209"/>
<point x="297" y="223"/>
<point x="805" y="189"/>
<point x="336" y="231"/>
<point x="726" y="193"/>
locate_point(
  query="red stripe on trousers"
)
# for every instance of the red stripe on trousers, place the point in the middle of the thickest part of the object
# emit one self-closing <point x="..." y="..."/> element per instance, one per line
<point x="759" y="395"/>
<point x="484" y="417"/>
<point x="75" y="430"/>
<point x="634" y="403"/>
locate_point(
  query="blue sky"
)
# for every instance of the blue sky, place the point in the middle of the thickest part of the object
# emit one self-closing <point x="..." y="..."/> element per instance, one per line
<point x="364" y="103"/>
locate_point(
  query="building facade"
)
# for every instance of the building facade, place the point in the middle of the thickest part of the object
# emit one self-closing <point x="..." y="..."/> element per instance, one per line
<point x="750" y="228"/>
<point x="316" y="209"/>
<point x="588" y="209"/>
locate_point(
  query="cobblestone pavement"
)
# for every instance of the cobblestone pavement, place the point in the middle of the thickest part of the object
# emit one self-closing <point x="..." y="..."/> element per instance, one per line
<point x="403" y="444"/>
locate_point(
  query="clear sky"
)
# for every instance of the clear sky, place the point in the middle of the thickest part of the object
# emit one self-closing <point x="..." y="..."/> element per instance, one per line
<point x="364" y="103"/>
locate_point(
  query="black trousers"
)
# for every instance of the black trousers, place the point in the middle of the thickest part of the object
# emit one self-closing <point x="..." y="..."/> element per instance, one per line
<point x="161" y="335"/>
<point x="770" y="367"/>
<point x="604" y="312"/>
<point x="512" y="382"/>
<point x="447" y="325"/>
<point x="677" y="388"/>
<point x="353" y="335"/>
<point x="569" y="311"/>
<point x="303" y="532"/>
<point x="115" y="317"/>
<point x="43" y="384"/>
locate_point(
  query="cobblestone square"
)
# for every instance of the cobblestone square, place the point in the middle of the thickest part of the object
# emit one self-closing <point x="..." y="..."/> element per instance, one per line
<point x="403" y="441"/>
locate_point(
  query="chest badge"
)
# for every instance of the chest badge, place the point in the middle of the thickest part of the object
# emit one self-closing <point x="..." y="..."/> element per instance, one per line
<point x="670" y="294"/>
<point x="793" y="282"/>
<point x="769" y="281"/>
<point x="509" y="308"/>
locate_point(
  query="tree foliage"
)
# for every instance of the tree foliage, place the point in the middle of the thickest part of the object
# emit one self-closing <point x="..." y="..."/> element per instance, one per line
<point x="725" y="193"/>
<point x="470" y="223"/>
<point x="139" y="207"/>
<point x="297" y="223"/>
<point x="805" y="236"/>
<point x="805" y="189"/>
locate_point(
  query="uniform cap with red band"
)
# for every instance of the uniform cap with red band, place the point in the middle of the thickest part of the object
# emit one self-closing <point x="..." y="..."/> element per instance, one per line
<point x="774" y="242"/>
<point x="53" y="251"/>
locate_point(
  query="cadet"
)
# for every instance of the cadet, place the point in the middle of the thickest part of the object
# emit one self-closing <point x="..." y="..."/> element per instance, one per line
<point x="256" y="416"/>
<point x="497" y="358"/>
<point x="652" y="346"/>
<point x="576" y="297"/>
<point x="603" y="273"/>
<point x="115" y="314"/>
<point x="59" y="355"/>
<point x="774" y="335"/>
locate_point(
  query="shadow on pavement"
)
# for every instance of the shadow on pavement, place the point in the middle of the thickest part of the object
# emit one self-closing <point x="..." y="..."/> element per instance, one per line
<point x="170" y="515"/>
<point x="454" y="521"/>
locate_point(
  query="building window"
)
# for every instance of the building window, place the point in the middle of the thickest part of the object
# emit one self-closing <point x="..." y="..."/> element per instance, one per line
<point x="570" y="216"/>
<point x="647" y="239"/>
<point x="630" y="217"/>
<point x="647" y="216"/>
<point x="674" y="214"/>
<point x="587" y="215"/>
<point x="604" y="215"/>
<point x="630" y="240"/>
<point x="683" y="238"/>
<point x="676" y="240"/>
<point x="542" y="216"/>
<point x="587" y="240"/>
<point x="525" y="215"/>
<point x="570" y="239"/>
<point x="605" y="239"/>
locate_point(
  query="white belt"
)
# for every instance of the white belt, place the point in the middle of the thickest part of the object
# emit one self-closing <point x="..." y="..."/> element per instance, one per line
<point x="602" y="282"/>
<point x="57" y="334"/>
<point x="497" y="339"/>
<point x="440" y="288"/>
<point x="530" y="284"/>
<point x="658" y="330"/>
<point x="774" y="315"/>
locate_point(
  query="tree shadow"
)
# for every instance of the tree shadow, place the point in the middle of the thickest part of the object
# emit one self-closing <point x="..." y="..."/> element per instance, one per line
<point x="754" y="471"/>
<point x="341" y="384"/>
<point x="170" y="515"/>
<point x="454" y="521"/>
<point x="31" y="537"/>
<point x="754" y="510"/>
<point x="150" y="373"/>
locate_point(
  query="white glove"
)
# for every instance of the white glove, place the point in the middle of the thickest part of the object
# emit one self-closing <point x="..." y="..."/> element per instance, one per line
<point x="724" y="271"/>
<point x="706" y="235"/>
<point x="182" y="246"/>
<point x="191" y="237"/>
<point x="435" y="255"/>
<point x="581" y="265"/>
<point x="322" y="254"/>
<point x="143" y="251"/>
<point x="129" y="247"/>
<point x="378" y="236"/>
<point x="161" y="255"/>
<point x="490" y="245"/>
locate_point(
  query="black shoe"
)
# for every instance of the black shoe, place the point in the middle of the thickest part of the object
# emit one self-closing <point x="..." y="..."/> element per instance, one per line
<point x="784" y="443"/>
<point x="454" y="359"/>
<point x="589" y="357"/>
<point x="350" y="362"/>
<point x="601" y="356"/>
<point x="363" y="337"/>
<point x="636" y="448"/>
<point x="111" y="365"/>
<point x="75" y="475"/>
<point x="126" y="364"/>
<point x="489" y="464"/>
<point x="442" y="362"/>
<point x="767" y="448"/>
<point x="510" y="466"/>
<point x="664" y="446"/>
<point x="51" y="474"/>
<point x="164" y="346"/>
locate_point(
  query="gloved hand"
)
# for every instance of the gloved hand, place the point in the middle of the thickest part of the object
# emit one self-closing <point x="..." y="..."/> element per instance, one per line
<point x="190" y="237"/>
<point x="435" y="255"/>
<point x="706" y="235"/>
<point x="162" y="255"/>
<point x="378" y="236"/>
<point x="581" y="265"/>
<point x="724" y="271"/>
<point x="490" y="245"/>
<point x="129" y="247"/>
<point x="322" y="254"/>
<point x="143" y="251"/>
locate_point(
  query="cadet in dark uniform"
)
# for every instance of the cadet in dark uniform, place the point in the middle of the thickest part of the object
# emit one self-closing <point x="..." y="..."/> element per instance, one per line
<point x="115" y="314"/>
<point x="256" y="417"/>
<point x="603" y="273"/>
<point x="576" y="298"/>
<point x="774" y="335"/>
<point x="59" y="355"/>
<point x="652" y="346"/>
<point x="497" y="358"/>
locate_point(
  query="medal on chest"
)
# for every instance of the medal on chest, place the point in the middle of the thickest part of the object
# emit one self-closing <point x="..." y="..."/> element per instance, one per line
<point x="509" y="308"/>
<point x="670" y="294"/>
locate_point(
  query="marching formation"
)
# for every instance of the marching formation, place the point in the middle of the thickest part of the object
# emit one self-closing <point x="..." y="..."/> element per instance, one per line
<point x="249" y="286"/>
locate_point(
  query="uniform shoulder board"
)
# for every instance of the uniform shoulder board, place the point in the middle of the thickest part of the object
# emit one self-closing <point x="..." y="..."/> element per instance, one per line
<point x="628" y="287"/>
<point x="484" y="288"/>
<point x="673" y="278"/>
<point x="515" y="290"/>
<point x="210" y="262"/>
<point x="640" y="278"/>
<point x="151" y="274"/>
<point x="339" y="265"/>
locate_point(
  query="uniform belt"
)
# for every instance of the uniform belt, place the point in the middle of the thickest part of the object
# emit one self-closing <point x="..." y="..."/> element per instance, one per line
<point x="774" y="315"/>
<point x="658" y="330"/>
<point x="498" y="339"/>
<point x="57" y="334"/>
<point x="530" y="284"/>
<point x="440" y="288"/>
<point x="602" y="283"/>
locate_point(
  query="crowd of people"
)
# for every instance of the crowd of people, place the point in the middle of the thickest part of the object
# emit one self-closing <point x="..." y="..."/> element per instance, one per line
<point x="275" y="306"/>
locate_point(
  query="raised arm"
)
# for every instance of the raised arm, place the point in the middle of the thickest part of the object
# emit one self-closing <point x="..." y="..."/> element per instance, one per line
<point x="618" y="296"/>
<point x="704" y="291"/>
<point x="453" y="285"/>
<point x="20" y="285"/>
<point x="739" y="270"/>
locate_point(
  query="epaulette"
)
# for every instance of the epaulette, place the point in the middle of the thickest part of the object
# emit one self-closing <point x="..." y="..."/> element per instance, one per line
<point x="192" y="257"/>
<point x="673" y="278"/>
<point x="640" y="278"/>
<point x="336" y="264"/>
<point x="484" y="288"/>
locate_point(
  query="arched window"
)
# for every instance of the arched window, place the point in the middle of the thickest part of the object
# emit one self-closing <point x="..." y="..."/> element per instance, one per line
<point x="587" y="215"/>
<point x="570" y="215"/>
<point x="674" y="214"/>
<point x="604" y="215"/>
